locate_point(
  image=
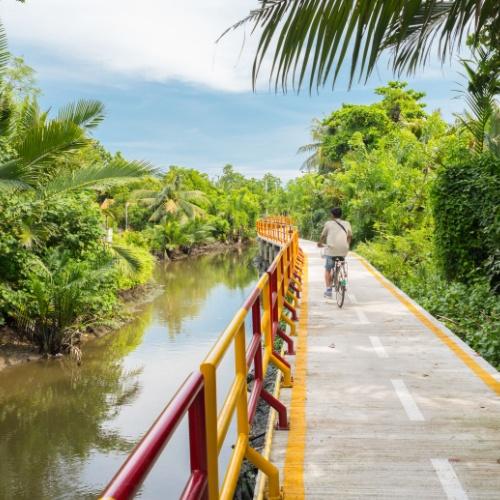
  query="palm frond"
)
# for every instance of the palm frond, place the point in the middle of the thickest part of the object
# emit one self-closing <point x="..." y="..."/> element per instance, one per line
<point x="480" y="95"/>
<point x="14" y="175"/>
<point x="194" y="196"/>
<point x="308" y="148"/>
<point x="41" y="143"/>
<point x="129" y="256"/>
<point x="311" y="163"/>
<point x="143" y="194"/>
<point x="311" y="39"/>
<point x="4" y="50"/>
<point x="84" y="113"/>
<point x="113" y="172"/>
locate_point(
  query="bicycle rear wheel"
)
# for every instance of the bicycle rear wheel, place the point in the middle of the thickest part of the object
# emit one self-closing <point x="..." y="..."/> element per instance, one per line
<point x="340" y="287"/>
<point x="335" y="280"/>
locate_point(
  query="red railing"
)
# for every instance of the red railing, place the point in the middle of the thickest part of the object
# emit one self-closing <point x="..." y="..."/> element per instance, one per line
<point x="190" y="398"/>
<point x="254" y="357"/>
<point x="198" y="395"/>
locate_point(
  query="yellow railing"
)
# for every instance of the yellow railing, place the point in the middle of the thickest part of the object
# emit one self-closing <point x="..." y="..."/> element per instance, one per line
<point x="266" y="304"/>
<point x="274" y="299"/>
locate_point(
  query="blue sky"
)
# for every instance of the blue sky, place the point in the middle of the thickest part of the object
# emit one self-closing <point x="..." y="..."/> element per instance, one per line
<point x="172" y="95"/>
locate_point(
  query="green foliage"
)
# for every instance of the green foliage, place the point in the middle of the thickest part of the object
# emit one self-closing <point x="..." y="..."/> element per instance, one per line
<point x="369" y="123"/>
<point x="61" y="294"/>
<point x="483" y="75"/>
<point x="470" y="310"/>
<point x="135" y="265"/>
<point x="423" y="206"/>
<point x="400" y="104"/>
<point x="313" y="40"/>
<point x="465" y="204"/>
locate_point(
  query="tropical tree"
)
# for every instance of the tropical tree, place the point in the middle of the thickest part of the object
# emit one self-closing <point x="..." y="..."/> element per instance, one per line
<point x="313" y="39"/>
<point x="355" y="125"/>
<point x="43" y="147"/>
<point x="483" y="86"/>
<point x="62" y="294"/>
<point x="174" y="200"/>
<point x="315" y="160"/>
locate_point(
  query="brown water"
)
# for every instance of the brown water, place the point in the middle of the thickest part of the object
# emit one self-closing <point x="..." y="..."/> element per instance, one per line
<point x="64" y="429"/>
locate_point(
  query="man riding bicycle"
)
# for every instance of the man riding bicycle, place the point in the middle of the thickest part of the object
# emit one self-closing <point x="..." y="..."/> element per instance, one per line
<point x="337" y="236"/>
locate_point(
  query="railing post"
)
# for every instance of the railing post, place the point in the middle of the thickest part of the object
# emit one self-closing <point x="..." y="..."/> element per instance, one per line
<point x="197" y="449"/>
<point x="208" y="371"/>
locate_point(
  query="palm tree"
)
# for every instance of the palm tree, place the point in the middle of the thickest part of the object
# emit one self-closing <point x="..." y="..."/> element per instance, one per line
<point x="312" y="38"/>
<point x="41" y="144"/>
<point x="173" y="200"/>
<point x="61" y="298"/>
<point x="316" y="161"/>
<point x="483" y="75"/>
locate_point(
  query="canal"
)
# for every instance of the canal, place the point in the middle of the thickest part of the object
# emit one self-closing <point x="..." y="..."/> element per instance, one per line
<point x="65" y="429"/>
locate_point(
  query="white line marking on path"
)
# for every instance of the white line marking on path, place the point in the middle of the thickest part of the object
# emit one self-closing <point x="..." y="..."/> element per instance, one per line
<point x="378" y="347"/>
<point x="449" y="480"/>
<point x="363" y="320"/>
<point x="407" y="401"/>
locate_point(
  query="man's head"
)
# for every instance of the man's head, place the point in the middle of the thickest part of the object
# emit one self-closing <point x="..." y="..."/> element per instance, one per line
<point x="336" y="212"/>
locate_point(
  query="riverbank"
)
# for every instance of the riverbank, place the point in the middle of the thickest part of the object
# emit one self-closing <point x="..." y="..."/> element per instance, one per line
<point x="14" y="351"/>
<point x="61" y="419"/>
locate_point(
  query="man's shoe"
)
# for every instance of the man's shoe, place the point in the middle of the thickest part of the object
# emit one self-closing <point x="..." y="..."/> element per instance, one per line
<point x="328" y="293"/>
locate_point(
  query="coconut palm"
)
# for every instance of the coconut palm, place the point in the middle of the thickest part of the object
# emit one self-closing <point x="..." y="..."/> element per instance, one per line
<point x="41" y="143"/>
<point x="483" y="85"/>
<point x="173" y="200"/>
<point x="311" y="39"/>
<point x="316" y="160"/>
<point x="62" y="293"/>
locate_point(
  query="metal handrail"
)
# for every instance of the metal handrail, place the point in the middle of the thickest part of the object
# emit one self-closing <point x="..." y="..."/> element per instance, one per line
<point x="190" y="398"/>
<point x="266" y="306"/>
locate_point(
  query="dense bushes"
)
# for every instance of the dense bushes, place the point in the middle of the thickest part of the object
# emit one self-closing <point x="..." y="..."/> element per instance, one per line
<point x="57" y="275"/>
<point x="466" y="198"/>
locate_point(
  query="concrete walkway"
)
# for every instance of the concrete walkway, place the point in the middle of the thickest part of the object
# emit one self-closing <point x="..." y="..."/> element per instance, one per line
<point x="387" y="403"/>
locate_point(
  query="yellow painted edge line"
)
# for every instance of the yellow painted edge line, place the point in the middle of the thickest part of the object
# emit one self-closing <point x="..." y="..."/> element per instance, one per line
<point x="472" y="364"/>
<point x="295" y="451"/>
<point x="266" y="452"/>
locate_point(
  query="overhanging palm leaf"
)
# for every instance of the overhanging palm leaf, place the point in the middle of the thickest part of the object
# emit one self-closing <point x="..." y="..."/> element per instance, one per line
<point x="14" y="175"/>
<point x="42" y="143"/>
<point x="314" y="37"/>
<point x="116" y="171"/>
<point x="84" y="113"/>
<point x="4" y="50"/>
<point x="133" y="261"/>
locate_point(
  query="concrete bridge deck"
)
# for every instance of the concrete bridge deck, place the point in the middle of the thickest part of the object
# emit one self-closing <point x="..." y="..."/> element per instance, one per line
<point x="387" y="403"/>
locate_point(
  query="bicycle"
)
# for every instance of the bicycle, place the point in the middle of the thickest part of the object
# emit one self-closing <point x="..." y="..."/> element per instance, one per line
<point x="340" y="280"/>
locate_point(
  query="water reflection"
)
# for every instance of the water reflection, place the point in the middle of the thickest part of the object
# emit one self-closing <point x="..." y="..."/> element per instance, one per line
<point x="64" y="429"/>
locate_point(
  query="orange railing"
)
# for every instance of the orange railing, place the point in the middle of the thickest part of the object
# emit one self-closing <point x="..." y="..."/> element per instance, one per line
<point x="277" y="292"/>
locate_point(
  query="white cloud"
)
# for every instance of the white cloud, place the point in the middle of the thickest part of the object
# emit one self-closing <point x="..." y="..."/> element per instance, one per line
<point x="156" y="40"/>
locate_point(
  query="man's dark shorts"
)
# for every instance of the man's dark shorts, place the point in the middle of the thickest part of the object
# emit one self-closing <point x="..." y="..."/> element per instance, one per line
<point x="330" y="262"/>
